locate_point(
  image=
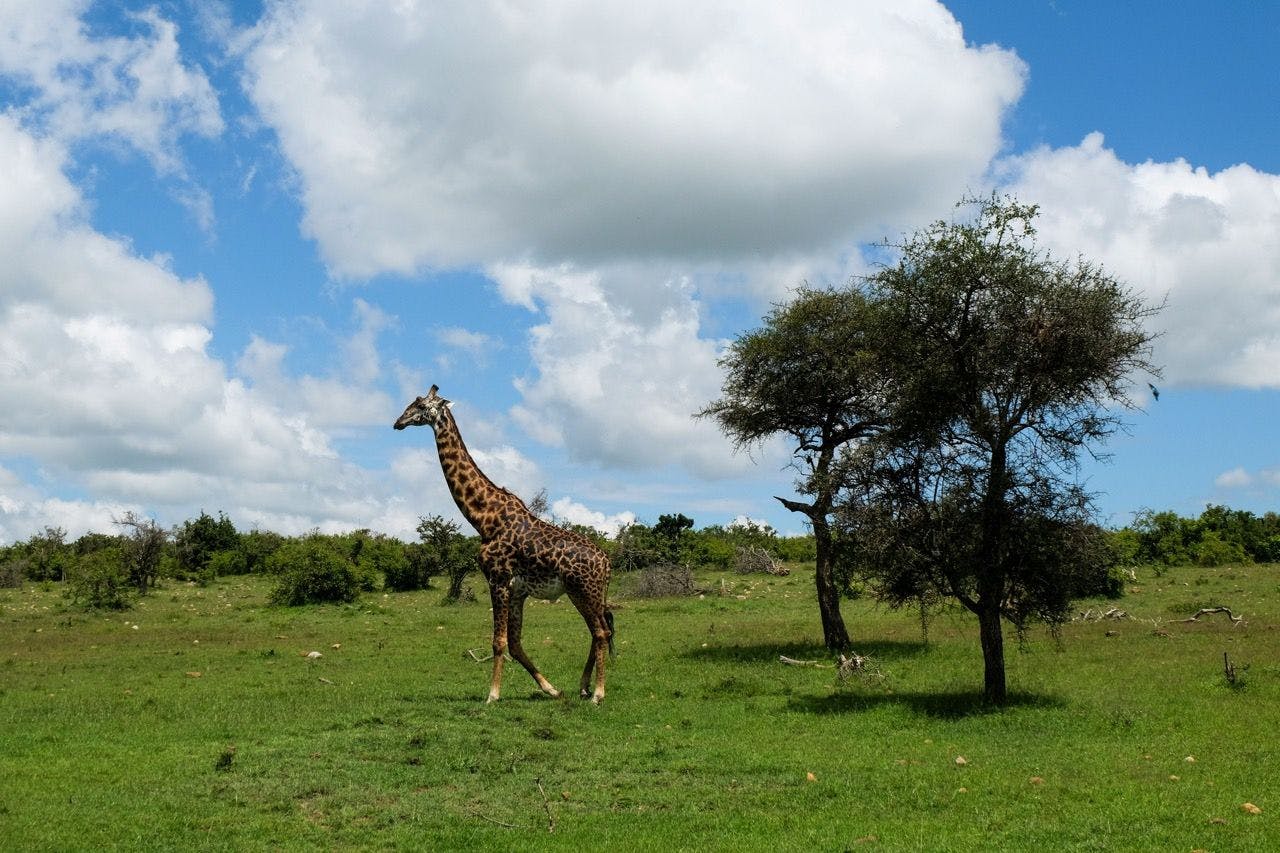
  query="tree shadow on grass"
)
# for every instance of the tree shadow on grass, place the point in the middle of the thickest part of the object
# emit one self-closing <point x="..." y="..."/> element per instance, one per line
<point x="769" y="652"/>
<point x="943" y="705"/>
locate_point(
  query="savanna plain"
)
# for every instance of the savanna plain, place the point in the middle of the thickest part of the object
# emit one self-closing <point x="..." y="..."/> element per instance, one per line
<point x="196" y="720"/>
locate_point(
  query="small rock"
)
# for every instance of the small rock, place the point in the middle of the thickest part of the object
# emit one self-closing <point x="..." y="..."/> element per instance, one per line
<point x="1250" y="808"/>
<point x="1037" y="780"/>
<point x="313" y="655"/>
<point x="1190" y="759"/>
<point x="961" y="760"/>
<point x="811" y="777"/>
<point x="194" y="674"/>
<point x="336" y="646"/>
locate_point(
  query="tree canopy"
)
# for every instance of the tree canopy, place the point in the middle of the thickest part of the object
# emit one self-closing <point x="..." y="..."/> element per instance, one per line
<point x="1009" y="364"/>
<point x="813" y="373"/>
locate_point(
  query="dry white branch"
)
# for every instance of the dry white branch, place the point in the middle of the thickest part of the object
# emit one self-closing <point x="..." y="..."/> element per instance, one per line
<point x="475" y="657"/>
<point x="795" y="662"/>
<point x="1099" y="615"/>
<point x="1205" y="611"/>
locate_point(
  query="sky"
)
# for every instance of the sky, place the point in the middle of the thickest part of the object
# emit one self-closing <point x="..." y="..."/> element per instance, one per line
<point x="239" y="238"/>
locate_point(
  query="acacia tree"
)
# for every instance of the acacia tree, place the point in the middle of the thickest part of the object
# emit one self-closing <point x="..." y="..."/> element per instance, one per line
<point x="1010" y="364"/>
<point x="810" y="373"/>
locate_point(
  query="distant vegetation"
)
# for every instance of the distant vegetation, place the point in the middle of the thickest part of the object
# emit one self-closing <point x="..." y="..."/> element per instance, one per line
<point x="1220" y="536"/>
<point x="109" y="570"/>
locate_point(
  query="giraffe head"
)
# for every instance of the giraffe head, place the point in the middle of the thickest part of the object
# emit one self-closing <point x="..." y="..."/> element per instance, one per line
<point x="428" y="410"/>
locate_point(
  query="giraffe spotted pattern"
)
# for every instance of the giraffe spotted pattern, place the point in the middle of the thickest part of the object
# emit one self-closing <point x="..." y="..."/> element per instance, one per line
<point x="520" y="554"/>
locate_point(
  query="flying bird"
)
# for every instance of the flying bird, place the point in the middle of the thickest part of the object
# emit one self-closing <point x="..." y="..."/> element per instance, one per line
<point x="1155" y="392"/>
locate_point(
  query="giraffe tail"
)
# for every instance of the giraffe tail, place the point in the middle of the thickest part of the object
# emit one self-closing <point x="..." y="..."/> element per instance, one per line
<point x="608" y="619"/>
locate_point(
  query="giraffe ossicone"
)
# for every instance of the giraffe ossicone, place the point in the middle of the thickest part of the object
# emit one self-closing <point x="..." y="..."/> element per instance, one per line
<point x="520" y="554"/>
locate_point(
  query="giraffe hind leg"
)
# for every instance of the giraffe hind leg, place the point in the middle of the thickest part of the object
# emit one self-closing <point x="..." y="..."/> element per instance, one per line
<point x="597" y="619"/>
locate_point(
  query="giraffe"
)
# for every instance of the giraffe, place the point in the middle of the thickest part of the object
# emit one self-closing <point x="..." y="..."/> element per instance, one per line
<point x="520" y="554"/>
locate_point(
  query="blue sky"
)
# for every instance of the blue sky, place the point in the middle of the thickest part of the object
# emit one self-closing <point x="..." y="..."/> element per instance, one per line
<point x="241" y="236"/>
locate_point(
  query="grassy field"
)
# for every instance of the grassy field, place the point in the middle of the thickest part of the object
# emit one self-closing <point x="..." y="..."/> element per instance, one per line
<point x="195" y="721"/>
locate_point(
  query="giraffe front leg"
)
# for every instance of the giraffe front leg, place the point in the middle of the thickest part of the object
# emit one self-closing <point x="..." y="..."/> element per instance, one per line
<point x="501" y="613"/>
<point x="517" y="648"/>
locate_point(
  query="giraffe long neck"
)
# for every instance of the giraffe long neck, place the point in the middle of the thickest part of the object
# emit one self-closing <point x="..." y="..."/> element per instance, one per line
<point x="474" y="493"/>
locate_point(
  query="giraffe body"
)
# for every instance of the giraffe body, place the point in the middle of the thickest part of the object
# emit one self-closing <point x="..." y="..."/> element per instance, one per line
<point x="520" y="554"/>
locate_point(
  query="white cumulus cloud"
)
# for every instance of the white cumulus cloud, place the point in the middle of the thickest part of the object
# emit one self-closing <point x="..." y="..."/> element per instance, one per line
<point x="1236" y="478"/>
<point x="567" y="509"/>
<point x="428" y="135"/>
<point x="135" y="89"/>
<point x="1209" y="242"/>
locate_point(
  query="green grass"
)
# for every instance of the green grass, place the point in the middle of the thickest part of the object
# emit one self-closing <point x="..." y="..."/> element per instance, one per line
<point x="110" y="739"/>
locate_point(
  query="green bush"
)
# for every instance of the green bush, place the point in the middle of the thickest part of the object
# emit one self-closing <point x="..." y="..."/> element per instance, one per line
<point x="381" y="557"/>
<point x="12" y="573"/>
<point x="414" y="571"/>
<point x="223" y="563"/>
<point x="312" y="571"/>
<point x="48" y="555"/>
<point x="258" y="545"/>
<point x="100" y="580"/>
<point x="712" y="552"/>
<point x="796" y="549"/>
<point x="1211" y="550"/>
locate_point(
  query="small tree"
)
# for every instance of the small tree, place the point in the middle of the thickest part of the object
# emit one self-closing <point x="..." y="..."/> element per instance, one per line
<point x="812" y="373"/>
<point x="444" y="550"/>
<point x="540" y="504"/>
<point x="196" y="541"/>
<point x="671" y="534"/>
<point x="47" y="555"/>
<point x="1008" y="364"/>
<point x="144" y="544"/>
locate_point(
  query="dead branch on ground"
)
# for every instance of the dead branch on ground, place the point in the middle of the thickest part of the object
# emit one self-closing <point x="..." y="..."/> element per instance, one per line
<point x="794" y="662"/>
<point x="551" y="823"/>
<point x="1205" y="611"/>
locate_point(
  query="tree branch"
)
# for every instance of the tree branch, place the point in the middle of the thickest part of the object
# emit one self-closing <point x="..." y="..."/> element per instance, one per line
<point x="796" y="506"/>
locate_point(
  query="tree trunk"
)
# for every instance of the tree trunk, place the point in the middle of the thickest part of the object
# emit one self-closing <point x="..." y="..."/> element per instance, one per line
<point x="991" y="581"/>
<point x="834" y="635"/>
<point x="992" y="636"/>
